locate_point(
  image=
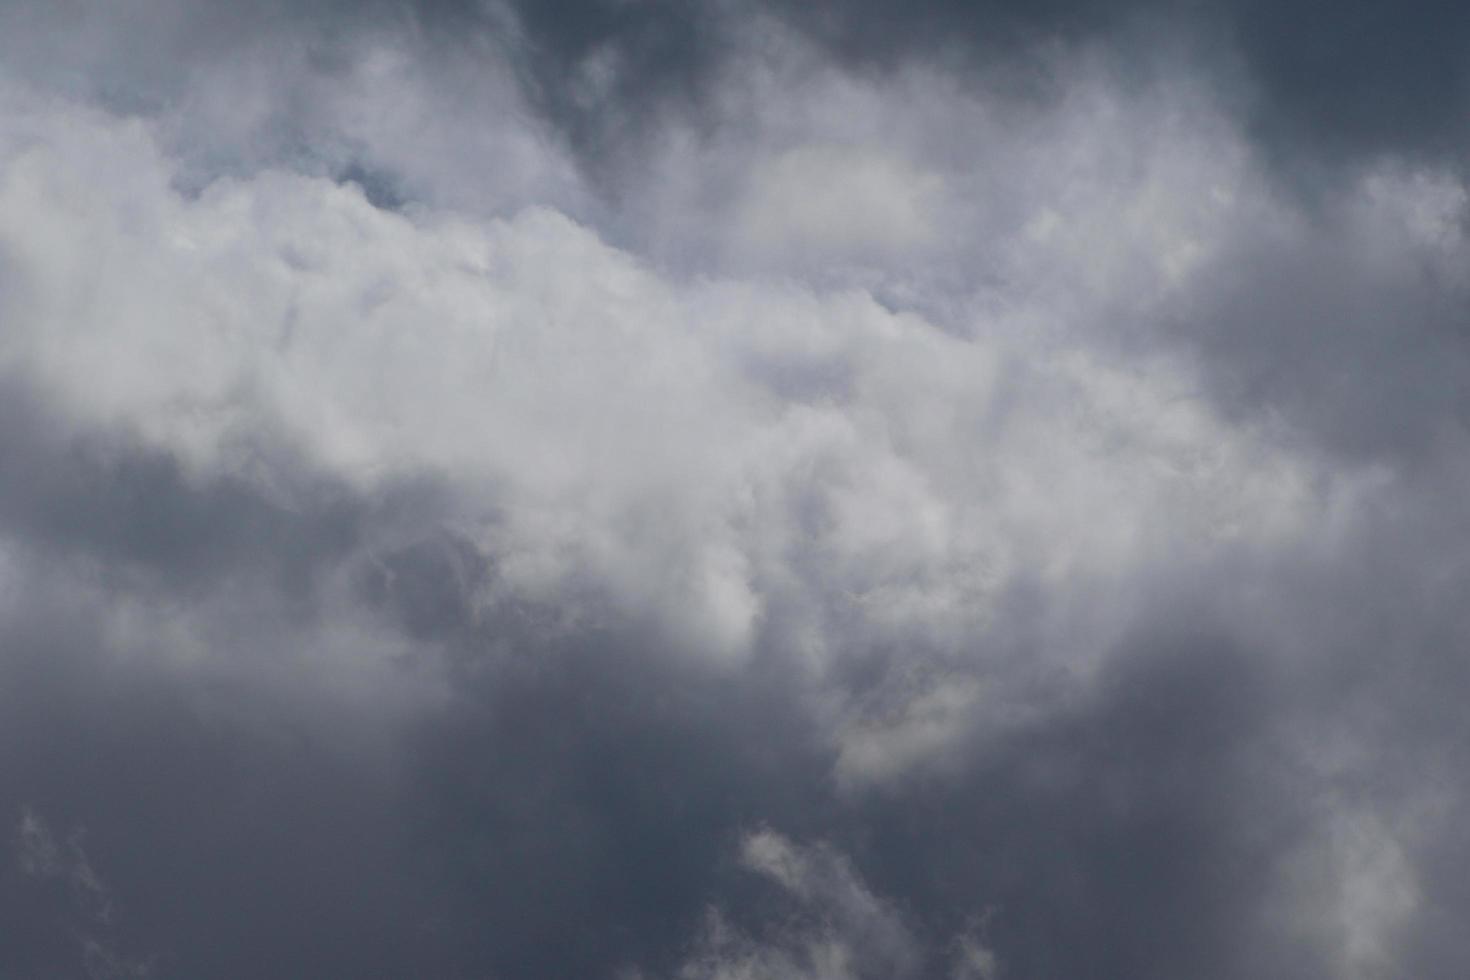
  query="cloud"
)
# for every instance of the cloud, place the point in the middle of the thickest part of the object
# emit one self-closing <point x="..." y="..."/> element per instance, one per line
<point x="40" y="856"/>
<point x="586" y="488"/>
<point x="851" y="932"/>
<point x="575" y="391"/>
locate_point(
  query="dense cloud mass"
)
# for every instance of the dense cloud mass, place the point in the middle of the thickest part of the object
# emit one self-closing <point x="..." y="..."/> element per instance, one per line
<point x="734" y="490"/>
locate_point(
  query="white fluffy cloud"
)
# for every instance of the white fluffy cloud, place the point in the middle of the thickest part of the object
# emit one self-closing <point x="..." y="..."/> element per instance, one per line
<point x="707" y="450"/>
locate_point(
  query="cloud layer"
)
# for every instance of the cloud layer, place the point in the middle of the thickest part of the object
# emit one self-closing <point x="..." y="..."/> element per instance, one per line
<point x="726" y="491"/>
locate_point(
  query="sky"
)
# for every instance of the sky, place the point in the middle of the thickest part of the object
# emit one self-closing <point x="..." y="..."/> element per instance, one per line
<point x="734" y="489"/>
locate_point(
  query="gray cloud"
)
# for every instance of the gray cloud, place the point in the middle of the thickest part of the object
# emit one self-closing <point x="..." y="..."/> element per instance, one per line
<point x="714" y="491"/>
<point x="1318" y="86"/>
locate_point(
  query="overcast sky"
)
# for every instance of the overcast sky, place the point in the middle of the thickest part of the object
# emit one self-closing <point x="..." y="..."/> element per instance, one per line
<point x="718" y="490"/>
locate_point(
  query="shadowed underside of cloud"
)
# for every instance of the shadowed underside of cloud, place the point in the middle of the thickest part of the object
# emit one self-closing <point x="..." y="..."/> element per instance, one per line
<point x="714" y="491"/>
<point x="1319" y="84"/>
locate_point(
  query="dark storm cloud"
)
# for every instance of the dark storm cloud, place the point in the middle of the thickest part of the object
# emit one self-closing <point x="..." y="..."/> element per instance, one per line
<point x="1133" y="836"/>
<point x="594" y="777"/>
<point x="583" y="798"/>
<point x="1319" y="83"/>
<point x="233" y="833"/>
<point x="1144" y="832"/>
<point x="133" y="511"/>
<point x="1358" y="78"/>
<point x="228" y="847"/>
<point x="570" y="812"/>
<point x="578" y="804"/>
<point x="1329" y="80"/>
<point x="1147" y="827"/>
<point x="236" y="830"/>
<point x="602" y="68"/>
<point x="1370" y="357"/>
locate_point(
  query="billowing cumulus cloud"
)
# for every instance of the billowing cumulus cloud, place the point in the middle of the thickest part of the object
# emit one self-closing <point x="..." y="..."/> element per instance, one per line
<point x="725" y="490"/>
